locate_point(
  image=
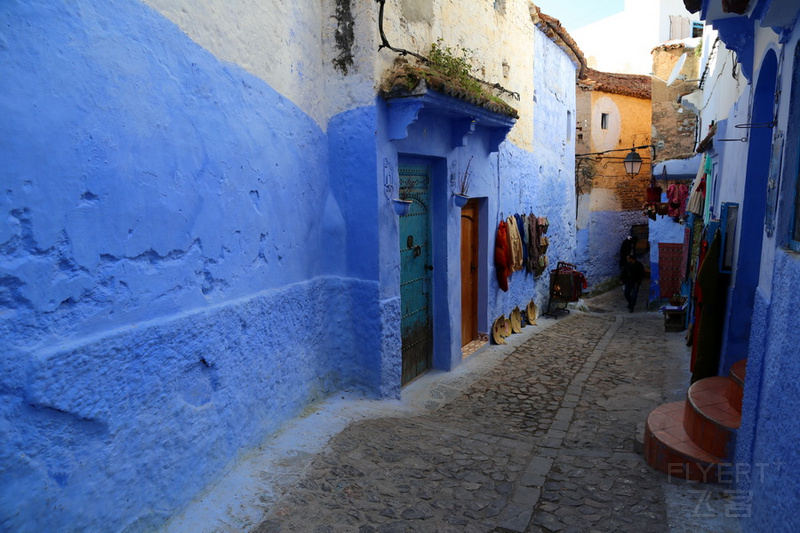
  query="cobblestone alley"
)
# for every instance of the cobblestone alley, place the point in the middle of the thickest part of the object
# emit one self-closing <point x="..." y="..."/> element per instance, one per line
<point x="541" y="438"/>
<point x="544" y="441"/>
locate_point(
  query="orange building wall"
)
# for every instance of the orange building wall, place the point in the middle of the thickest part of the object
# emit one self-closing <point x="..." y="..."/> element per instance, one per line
<point x="629" y="124"/>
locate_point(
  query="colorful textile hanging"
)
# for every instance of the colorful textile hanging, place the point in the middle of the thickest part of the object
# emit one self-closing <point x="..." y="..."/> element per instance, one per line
<point x="501" y="254"/>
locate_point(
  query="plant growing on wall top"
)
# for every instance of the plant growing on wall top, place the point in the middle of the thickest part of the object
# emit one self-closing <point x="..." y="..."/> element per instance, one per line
<point x="445" y="62"/>
<point x="453" y="73"/>
<point x="449" y="72"/>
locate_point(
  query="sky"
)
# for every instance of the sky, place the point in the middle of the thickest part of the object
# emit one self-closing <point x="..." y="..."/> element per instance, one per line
<point x="575" y="14"/>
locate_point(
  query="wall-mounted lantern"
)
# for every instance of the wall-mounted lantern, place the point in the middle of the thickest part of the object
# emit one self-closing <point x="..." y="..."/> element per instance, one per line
<point x="633" y="163"/>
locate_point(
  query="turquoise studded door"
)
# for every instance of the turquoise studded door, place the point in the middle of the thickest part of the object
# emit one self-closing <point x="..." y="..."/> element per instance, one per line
<point x="415" y="274"/>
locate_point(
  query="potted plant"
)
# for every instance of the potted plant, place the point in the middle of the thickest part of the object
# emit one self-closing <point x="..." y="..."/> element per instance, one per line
<point x="402" y="205"/>
<point x="462" y="186"/>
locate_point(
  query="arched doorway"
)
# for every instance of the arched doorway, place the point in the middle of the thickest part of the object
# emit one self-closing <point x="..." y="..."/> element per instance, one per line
<point x="753" y="209"/>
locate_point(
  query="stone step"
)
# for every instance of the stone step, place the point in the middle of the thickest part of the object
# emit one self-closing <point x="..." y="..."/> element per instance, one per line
<point x="669" y="449"/>
<point x="709" y="419"/>
<point x="736" y="385"/>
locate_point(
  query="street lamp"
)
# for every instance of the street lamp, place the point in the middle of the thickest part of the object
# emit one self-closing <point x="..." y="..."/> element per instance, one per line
<point x="633" y="163"/>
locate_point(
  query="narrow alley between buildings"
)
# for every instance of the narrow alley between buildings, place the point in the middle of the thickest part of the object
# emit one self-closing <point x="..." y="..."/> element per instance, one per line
<point x="543" y="434"/>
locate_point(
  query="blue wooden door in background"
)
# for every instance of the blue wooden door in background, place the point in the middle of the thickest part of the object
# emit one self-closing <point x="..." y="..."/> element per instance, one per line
<point x="415" y="274"/>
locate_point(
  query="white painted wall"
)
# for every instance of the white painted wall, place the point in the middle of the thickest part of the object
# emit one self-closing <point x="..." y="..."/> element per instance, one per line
<point x="496" y="33"/>
<point x="271" y="40"/>
<point x="623" y="41"/>
<point x="606" y="139"/>
<point x="275" y="41"/>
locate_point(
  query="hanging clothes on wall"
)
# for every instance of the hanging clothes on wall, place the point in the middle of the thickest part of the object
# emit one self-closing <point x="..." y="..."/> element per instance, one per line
<point x="697" y="196"/>
<point x="677" y="194"/>
<point x="514" y="243"/>
<point x="523" y="238"/>
<point x="526" y="229"/>
<point x="501" y="254"/>
<point x="533" y="236"/>
<point x="711" y="313"/>
<point x="542" y="242"/>
<point x="695" y="258"/>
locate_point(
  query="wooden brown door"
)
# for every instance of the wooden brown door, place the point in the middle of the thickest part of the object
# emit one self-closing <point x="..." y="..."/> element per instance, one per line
<point x="469" y="272"/>
<point x="670" y="273"/>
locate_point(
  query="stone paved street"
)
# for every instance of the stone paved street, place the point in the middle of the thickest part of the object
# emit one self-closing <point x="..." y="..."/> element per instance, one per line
<point x="544" y="441"/>
<point x="542" y="437"/>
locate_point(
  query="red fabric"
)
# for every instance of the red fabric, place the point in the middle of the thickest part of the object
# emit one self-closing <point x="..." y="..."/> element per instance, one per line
<point x="653" y="195"/>
<point x="677" y="194"/>
<point x="502" y="257"/>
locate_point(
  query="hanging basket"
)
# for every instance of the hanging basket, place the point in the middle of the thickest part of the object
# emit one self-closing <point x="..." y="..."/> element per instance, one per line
<point x="401" y="206"/>
<point x="460" y="199"/>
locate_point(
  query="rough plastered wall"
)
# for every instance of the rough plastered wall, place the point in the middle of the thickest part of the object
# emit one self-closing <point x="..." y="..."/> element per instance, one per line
<point x="173" y="284"/>
<point x="674" y="127"/>
<point x="194" y="237"/>
<point x="598" y="244"/>
<point x="768" y="444"/>
<point x="610" y="202"/>
<point x="310" y="52"/>
<point x="508" y="180"/>
<point x="498" y="35"/>
<point x="553" y="189"/>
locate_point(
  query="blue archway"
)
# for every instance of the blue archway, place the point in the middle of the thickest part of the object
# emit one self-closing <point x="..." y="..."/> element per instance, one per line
<point x="753" y="209"/>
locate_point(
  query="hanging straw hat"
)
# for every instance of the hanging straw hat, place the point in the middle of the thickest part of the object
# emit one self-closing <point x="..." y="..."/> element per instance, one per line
<point x="531" y="313"/>
<point x="516" y="321"/>
<point x="501" y="329"/>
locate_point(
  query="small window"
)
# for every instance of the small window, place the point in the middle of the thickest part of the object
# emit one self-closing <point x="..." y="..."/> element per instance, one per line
<point x="697" y="29"/>
<point x="603" y="121"/>
<point x="569" y="125"/>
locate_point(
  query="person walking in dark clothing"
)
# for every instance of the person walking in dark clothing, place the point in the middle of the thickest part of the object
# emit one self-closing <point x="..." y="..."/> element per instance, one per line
<point x="631" y="279"/>
<point x="627" y="248"/>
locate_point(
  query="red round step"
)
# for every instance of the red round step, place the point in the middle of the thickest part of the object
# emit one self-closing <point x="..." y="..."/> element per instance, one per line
<point x="710" y="420"/>
<point x="668" y="448"/>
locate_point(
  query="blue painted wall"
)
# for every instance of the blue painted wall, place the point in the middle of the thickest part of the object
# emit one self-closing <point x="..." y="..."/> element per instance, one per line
<point x="175" y="274"/>
<point x="761" y="318"/>
<point x="753" y="207"/>
<point x="599" y="244"/>
<point x="509" y="180"/>
<point x="528" y="184"/>
<point x="188" y="260"/>
<point x="771" y="405"/>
